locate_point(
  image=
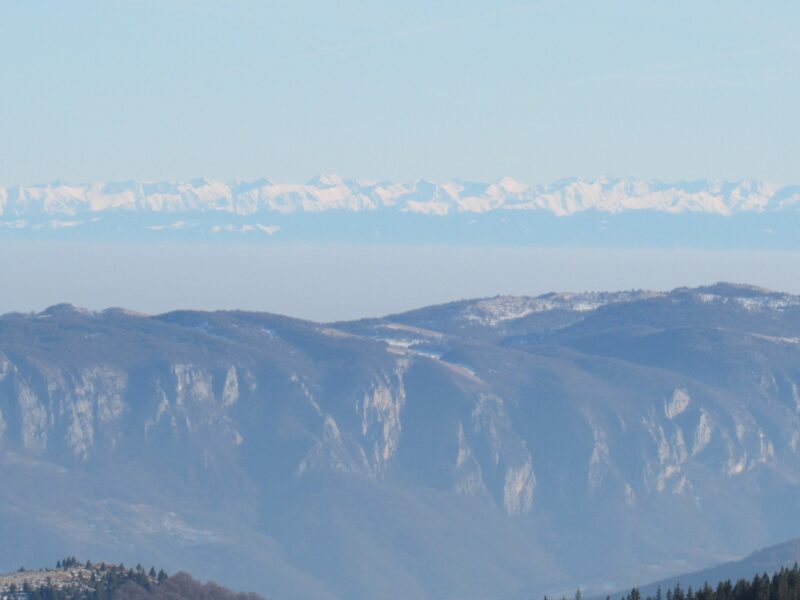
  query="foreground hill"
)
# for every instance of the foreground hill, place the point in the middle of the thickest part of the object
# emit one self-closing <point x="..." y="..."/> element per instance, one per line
<point x="495" y="447"/>
<point x="783" y="584"/>
<point x="768" y="560"/>
<point x="181" y="586"/>
<point x="100" y="581"/>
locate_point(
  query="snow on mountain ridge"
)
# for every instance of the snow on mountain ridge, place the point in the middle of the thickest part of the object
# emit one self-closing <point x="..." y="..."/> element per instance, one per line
<point x="332" y="193"/>
<point x="492" y="311"/>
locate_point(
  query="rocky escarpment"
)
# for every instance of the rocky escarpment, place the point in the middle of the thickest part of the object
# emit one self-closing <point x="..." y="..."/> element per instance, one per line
<point x="320" y="455"/>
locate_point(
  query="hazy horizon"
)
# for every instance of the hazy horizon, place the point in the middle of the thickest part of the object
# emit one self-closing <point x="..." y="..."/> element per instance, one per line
<point x="341" y="282"/>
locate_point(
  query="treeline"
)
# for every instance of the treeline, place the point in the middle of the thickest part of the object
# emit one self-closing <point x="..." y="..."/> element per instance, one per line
<point x="181" y="586"/>
<point x="118" y="571"/>
<point x="783" y="585"/>
<point x="104" y="583"/>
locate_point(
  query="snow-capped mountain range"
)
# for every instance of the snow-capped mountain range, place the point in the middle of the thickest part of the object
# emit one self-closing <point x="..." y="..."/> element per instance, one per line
<point x="329" y="208"/>
<point x="331" y="192"/>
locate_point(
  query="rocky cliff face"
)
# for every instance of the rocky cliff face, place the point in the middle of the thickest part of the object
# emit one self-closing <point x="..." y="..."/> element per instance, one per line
<point x="507" y="445"/>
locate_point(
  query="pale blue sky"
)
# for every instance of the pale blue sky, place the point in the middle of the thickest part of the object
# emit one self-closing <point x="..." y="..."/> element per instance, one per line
<point x="239" y="89"/>
<point x="173" y="89"/>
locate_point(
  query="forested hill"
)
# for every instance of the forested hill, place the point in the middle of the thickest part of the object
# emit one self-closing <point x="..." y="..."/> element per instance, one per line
<point x="178" y="587"/>
<point x="783" y="585"/>
<point x="765" y="560"/>
<point x="73" y="580"/>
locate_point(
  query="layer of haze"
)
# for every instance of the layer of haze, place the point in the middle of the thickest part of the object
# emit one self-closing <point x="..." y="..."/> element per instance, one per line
<point x="348" y="282"/>
<point x="537" y="90"/>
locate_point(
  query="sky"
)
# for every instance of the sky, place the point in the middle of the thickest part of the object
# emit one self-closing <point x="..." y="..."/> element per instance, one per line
<point x="240" y="89"/>
<point x="110" y="90"/>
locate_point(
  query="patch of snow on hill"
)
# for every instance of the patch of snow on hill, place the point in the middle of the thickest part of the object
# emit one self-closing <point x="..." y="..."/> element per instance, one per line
<point x="493" y="311"/>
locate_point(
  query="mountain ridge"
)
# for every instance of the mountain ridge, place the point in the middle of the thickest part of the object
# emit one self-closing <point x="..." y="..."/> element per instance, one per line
<point x="580" y="300"/>
<point x="329" y="192"/>
<point x="618" y="212"/>
<point x="501" y="446"/>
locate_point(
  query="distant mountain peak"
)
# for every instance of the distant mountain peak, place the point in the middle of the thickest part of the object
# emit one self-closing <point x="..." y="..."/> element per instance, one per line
<point x="65" y="308"/>
<point x="608" y="211"/>
<point x="563" y="197"/>
<point x="326" y="180"/>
